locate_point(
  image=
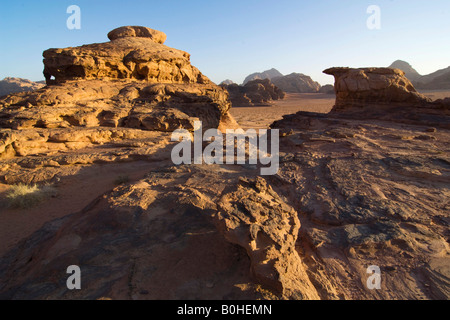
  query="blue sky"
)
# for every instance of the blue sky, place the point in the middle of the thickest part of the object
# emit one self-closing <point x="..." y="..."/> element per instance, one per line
<point x="231" y="39"/>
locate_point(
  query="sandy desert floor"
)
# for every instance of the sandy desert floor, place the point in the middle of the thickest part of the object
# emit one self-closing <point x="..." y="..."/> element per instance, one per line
<point x="262" y="117"/>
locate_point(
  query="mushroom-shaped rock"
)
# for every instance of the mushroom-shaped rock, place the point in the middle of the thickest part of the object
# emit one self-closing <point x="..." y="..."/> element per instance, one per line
<point x="359" y="87"/>
<point x="133" y="53"/>
<point x="138" y="32"/>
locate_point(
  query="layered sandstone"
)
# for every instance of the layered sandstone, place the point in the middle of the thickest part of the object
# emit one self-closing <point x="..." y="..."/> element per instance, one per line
<point x="359" y="87"/>
<point x="384" y="93"/>
<point x="133" y="81"/>
<point x="132" y="53"/>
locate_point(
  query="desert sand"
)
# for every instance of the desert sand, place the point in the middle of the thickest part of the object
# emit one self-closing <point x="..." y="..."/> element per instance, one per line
<point x="260" y="117"/>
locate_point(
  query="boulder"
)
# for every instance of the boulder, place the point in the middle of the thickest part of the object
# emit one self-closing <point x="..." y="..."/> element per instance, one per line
<point x="133" y="31"/>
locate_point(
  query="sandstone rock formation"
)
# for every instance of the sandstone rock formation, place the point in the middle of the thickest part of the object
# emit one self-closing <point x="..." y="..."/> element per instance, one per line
<point x="13" y="85"/>
<point x="133" y="81"/>
<point x="255" y="92"/>
<point x="369" y="192"/>
<point x="359" y="87"/>
<point x="357" y="90"/>
<point x="268" y="74"/>
<point x="153" y="240"/>
<point x="133" y="53"/>
<point x="384" y="93"/>
<point x="139" y="32"/>
<point x="296" y="83"/>
<point x="257" y="219"/>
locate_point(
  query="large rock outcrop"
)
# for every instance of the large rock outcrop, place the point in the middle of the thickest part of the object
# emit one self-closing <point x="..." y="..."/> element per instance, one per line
<point x="268" y="74"/>
<point x="369" y="192"/>
<point x="133" y="53"/>
<point x="133" y="81"/>
<point x="296" y="83"/>
<point x="205" y="233"/>
<point x="255" y="92"/>
<point x="363" y="86"/>
<point x="384" y="93"/>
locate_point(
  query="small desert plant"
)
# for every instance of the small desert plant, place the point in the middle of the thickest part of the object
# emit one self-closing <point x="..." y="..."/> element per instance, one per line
<point x="22" y="196"/>
<point x="122" y="179"/>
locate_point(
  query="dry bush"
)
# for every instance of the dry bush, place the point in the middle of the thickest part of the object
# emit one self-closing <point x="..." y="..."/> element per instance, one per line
<point x="22" y="196"/>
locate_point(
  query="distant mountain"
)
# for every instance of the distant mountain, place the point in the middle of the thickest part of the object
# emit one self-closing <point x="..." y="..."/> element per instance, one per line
<point x="268" y="74"/>
<point x="12" y="85"/>
<point x="226" y="82"/>
<point x="296" y="83"/>
<point x="438" y="80"/>
<point x="409" y="71"/>
<point x="434" y="81"/>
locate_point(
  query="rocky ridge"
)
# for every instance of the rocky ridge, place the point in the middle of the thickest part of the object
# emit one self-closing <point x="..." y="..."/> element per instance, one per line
<point x="268" y="74"/>
<point x="13" y="85"/>
<point x="255" y="92"/>
<point x="296" y="83"/>
<point x="438" y="80"/>
<point x="292" y="83"/>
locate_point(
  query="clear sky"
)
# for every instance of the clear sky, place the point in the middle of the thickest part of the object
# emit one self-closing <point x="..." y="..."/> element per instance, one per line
<point x="233" y="38"/>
